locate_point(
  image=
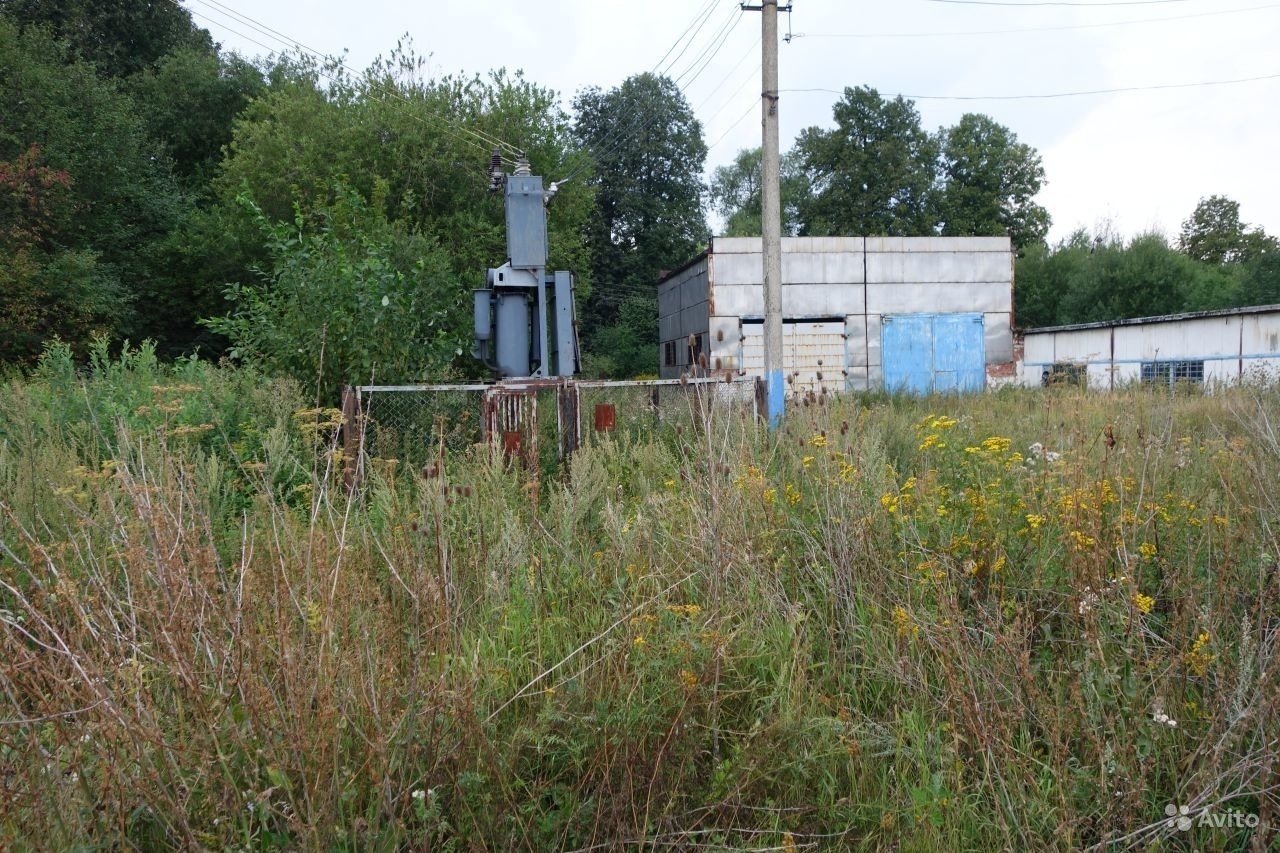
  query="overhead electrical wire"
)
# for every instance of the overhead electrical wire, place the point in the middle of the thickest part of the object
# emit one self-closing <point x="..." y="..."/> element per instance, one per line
<point x="625" y="132"/>
<point x="1051" y="95"/>
<point x="1022" y="30"/>
<point x="620" y="132"/>
<point x="480" y="140"/>
<point x="701" y="22"/>
<point x="752" y="48"/>
<point x="739" y="120"/>
<point x="717" y="42"/>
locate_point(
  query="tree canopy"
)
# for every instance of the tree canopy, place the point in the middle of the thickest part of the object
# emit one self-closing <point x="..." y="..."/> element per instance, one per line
<point x="988" y="183"/>
<point x="872" y="174"/>
<point x="736" y="194"/>
<point x="1214" y="234"/>
<point x="648" y="153"/>
<point x="120" y="37"/>
<point x="878" y="172"/>
<point x="114" y="199"/>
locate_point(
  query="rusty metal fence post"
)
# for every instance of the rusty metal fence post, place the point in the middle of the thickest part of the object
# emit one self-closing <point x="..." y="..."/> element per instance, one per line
<point x="567" y="418"/>
<point x="352" y="439"/>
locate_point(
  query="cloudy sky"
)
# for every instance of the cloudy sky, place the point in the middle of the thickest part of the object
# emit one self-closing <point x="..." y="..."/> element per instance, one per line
<point x="1131" y="161"/>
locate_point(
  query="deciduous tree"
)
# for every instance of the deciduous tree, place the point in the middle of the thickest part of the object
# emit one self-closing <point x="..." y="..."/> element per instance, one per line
<point x="735" y="192"/>
<point x="988" y="185"/>
<point x="872" y="174"/>
<point x="120" y="37"/>
<point x="1214" y="234"/>
<point x="647" y="154"/>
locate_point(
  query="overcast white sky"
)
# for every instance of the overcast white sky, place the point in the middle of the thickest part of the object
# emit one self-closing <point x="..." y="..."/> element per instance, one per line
<point x="1132" y="160"/>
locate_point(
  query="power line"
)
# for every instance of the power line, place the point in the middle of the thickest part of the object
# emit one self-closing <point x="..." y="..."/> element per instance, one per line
<point x="752" y="48"/>
<point x="479" y="139"/>
<point x="624" y="132"/>
<point x="726" y="30"/>
<point x="701" y="22"/>
<point x="740" y="119"/>
<point x="1049" y="95"/>
<point x="661" y="68"/>
<point x="1021" y="30"/>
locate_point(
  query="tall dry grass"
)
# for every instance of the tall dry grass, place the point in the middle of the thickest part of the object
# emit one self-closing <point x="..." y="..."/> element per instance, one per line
<point x="847" y="635"/>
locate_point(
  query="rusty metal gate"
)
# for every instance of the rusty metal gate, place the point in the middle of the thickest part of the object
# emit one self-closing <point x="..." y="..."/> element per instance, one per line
<point x="509" y="412"/>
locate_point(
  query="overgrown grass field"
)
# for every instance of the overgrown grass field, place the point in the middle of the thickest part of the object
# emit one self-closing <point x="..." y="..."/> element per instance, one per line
<point x="1026" y="619"/>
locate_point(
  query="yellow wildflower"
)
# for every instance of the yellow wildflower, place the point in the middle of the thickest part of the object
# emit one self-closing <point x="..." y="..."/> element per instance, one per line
<point x="904" y="623"/>
<point x="1081" y="541"/>
<point x="996" y="444"/>
<point x="932" y="440"/>
<point x="1198" y="660"/>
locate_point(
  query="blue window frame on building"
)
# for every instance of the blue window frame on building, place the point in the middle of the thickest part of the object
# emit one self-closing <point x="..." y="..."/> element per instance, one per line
<point x="1170" y="373"/>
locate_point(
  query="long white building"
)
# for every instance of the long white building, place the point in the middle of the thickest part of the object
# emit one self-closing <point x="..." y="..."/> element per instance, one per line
<point x="1203" y="347"/>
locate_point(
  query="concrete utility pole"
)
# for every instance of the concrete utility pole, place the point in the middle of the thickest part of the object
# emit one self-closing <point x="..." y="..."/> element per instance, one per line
<point x="771" y="213"/>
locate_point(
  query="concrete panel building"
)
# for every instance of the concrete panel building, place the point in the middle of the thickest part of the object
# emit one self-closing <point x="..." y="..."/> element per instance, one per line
<point x="915" y="313"/>
<point x="1203" y="347"/>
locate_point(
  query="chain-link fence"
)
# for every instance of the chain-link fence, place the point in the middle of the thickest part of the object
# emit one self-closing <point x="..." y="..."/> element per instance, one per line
<point x="414" y="423"/>
<point x="644" y="408"/>
<point x="538" y="421"/>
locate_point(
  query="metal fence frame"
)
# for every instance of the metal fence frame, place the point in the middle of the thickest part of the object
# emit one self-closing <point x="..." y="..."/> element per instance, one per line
<point x="511" y="418"/>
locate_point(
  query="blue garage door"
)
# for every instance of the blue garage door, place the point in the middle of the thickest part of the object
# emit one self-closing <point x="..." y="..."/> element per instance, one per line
<point x="922" y="353"/>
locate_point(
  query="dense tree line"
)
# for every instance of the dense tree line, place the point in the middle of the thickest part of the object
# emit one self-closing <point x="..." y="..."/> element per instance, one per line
<point x="878" y="172"/>
<point x="329" y="224"/>
<point x="1217" y="262"/>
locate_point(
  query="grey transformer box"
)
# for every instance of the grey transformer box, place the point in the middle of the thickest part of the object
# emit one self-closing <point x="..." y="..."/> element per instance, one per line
<point x="525" y="324"/>
<point x="508" y="332"/>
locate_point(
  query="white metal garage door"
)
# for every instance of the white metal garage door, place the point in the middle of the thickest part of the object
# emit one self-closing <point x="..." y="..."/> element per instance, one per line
<point x="813" y="352"/>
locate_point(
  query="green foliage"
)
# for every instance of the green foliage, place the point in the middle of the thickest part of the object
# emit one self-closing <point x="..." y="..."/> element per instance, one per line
<point x="877" y="172"/>
<point x="735" y="193"/>
<point x="120" y="37"/>
<point x="190" y="100"/>
<point x="1082" y="280"/>
<point x="349" y="298"/>
<point x="988" y="183"/>
<point x="1261" y="285"/>
<point x="413" y="138"/>
<point x="1214" y="234"/>
<point x="647" y="155"/>
<point x="45" y="288"/>
<point x="872" y="174"/>
<point x="409" y="148"/>
<point x="117" y="202"/>
<point x="627" y="347"/>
